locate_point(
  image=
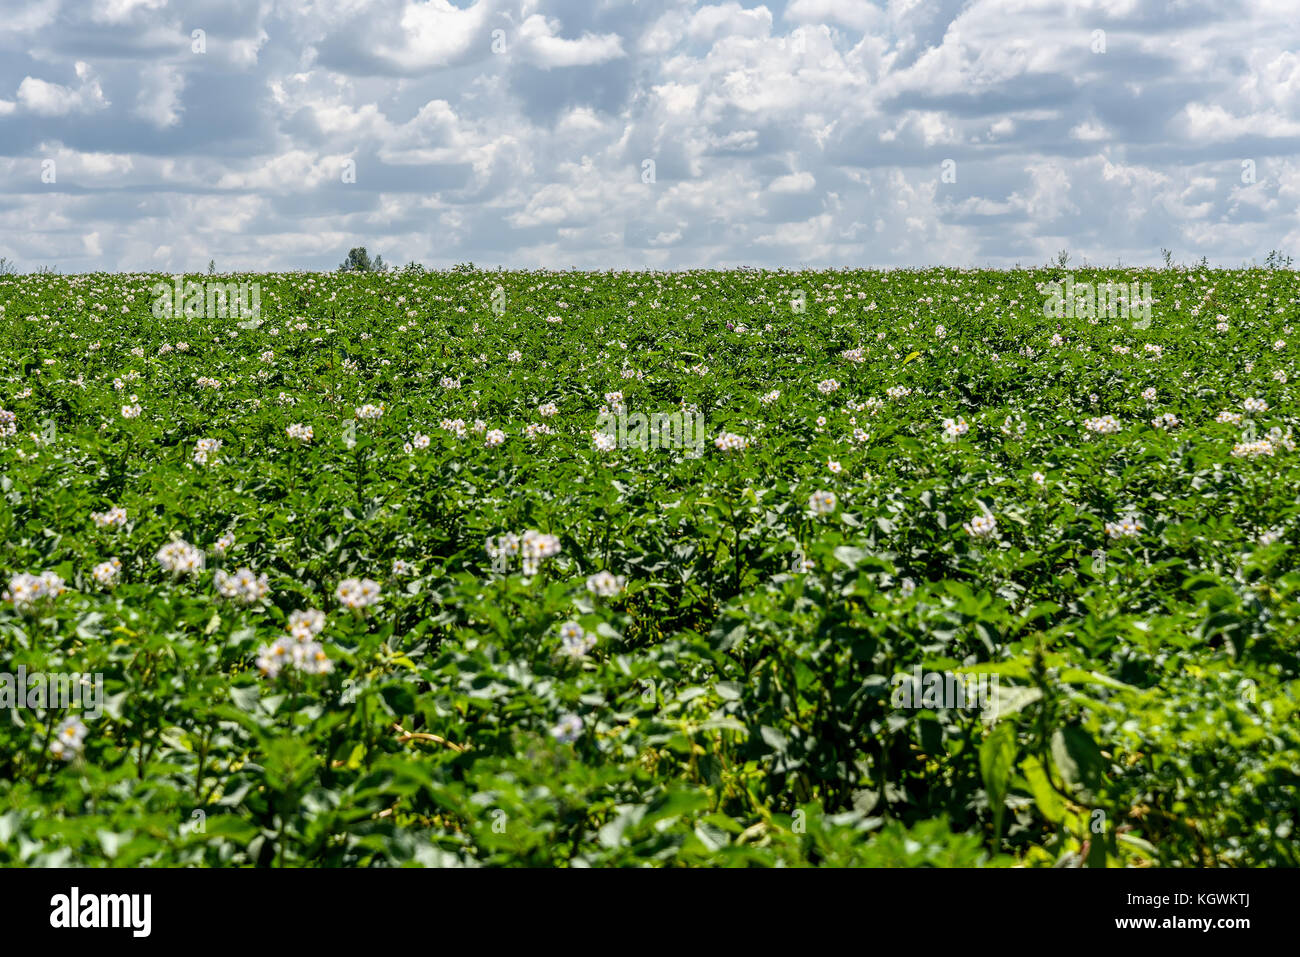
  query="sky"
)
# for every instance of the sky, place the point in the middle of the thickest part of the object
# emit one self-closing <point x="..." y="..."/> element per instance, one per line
<point x="157" y="135"/>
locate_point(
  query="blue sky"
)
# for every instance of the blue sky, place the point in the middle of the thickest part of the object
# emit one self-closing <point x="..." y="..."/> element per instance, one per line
<point x="521" y="132"/>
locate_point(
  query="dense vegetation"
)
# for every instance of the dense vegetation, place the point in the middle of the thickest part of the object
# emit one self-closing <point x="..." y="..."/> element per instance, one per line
<point x="364" y="588"/>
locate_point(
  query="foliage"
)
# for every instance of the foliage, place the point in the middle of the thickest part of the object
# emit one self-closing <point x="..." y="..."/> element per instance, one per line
<point x="736" y="707"/>
<point x="359" y="261"/>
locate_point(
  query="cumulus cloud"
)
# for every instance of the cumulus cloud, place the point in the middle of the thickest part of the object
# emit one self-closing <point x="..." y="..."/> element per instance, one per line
<point x="540" y="45"/>
<point x="672" y="134"/>
<point x="855" y="14"/>
<point x="793" y="183"/>
<point x="159" y="97"/>
<point x="53" y="99"/>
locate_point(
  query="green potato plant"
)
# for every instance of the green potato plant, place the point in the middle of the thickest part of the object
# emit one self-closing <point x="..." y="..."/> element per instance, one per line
<point x="432" y="569"/>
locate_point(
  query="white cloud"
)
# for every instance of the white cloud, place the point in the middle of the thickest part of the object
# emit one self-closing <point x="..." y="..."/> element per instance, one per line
<point x="857" y="14"/>
<point x="1089" y="131"/>
<point x="817" y="139"/>
<point x="1214" y="123"/>
<point x="159" y="98"/>
<point x="793" y="183"/>
<point x="539" y="44"/>
<point x="116" y="11"/>
<point x="52" y="99"/>
<point x="729" y="20"/>
<point x="430" y="34"/>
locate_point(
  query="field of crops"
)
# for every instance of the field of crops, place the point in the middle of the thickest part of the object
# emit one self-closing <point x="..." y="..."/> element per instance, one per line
<point x="561" y="568"/>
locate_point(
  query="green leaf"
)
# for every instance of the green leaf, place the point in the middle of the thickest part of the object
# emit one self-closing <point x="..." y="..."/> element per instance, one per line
<point x="1048" y="801"/>
<point x="246" y="698"/>
<point x="1008" y="699"/>
<point x="1078" y="759"/>
<point x="775" y="740"/>
<point x="997" y="754"/>
<point x="850" y="555"/>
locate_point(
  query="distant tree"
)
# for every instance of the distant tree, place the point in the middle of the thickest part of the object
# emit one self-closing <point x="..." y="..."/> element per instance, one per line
<point x="6" y="267"/>
<point x="359" y="261"/>
<point x="212" y="266"/>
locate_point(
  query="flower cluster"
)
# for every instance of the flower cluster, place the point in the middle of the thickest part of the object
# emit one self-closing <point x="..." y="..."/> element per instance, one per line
<point x="306" y="624"/>
<point x="107" y="574"/>
<point x="1103" y="425"/>
<point x="300" y="650"/>
<point x="69" y="739"/>
<point x="981" y="526"/>
<point x="309" y="657"/>
<point x="1013" y="425"/>
<point x="224" y="544"/>
<point x="205" y="451"/>
<point x="605" y="585"/>
<point x="1253" y="449"/>
<point x="533" y="547"/>
<point x="1124" y="528"/>
<point x="568" y="729"/>
<point x="357" y="593"/>
<point x="301" y="433"/>
<point x="115" y="517"/>
<point x="244" y="587"/>
<point x="822" y="503"/>
<point x="731" y="442"/>
<point x="574" y="641"/>
<point x="27" y="591"/>
<point x="403" y="568"/>
<point x="180" y="558"/>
